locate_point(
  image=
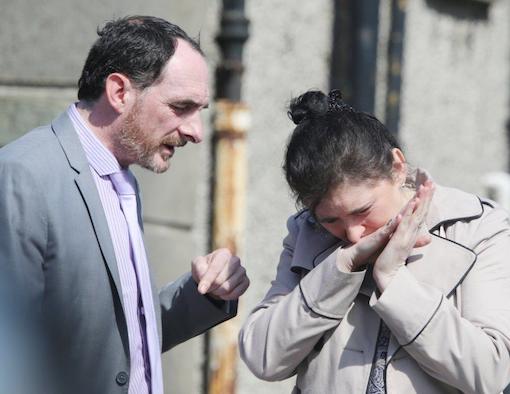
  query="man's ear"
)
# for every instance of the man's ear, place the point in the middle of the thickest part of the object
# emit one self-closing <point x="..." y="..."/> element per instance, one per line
<point x="119" y="92"/>
<point x="399" y="166"/>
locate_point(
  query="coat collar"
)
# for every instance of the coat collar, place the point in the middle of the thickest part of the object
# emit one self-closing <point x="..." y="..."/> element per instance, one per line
<point x="313" y="243"/>
<point x="443" y="263"/>
<point x="70" y="143"/>
<point x="449" y="204"/>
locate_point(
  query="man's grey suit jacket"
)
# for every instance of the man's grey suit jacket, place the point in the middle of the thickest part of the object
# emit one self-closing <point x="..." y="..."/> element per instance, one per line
<point x="55" y="248"/>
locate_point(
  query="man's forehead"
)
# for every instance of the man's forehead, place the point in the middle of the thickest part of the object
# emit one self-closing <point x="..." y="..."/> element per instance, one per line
<point x="184" y="89"/>
<point x="187" y="58"/>
<point x="187" y="75"/>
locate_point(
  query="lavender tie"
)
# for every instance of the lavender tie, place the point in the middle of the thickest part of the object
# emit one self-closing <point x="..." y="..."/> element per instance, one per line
<point x="124" y="183"/>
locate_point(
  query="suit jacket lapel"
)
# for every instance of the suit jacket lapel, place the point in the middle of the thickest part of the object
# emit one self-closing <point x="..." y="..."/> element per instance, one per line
<point x="68" y="139"/>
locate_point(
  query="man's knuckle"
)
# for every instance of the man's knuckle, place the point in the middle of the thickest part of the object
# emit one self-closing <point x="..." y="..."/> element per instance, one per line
<point x="226" y="252"/>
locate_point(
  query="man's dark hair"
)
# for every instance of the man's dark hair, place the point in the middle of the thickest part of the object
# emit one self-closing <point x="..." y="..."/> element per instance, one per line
<point x="333" y="143"/>
<point x="136" y="46"/>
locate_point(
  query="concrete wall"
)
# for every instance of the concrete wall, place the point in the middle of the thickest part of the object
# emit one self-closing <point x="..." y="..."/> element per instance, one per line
<point x="455" y="102"/>
<point x="456" y="90"/>
<point x="287" y="54"/>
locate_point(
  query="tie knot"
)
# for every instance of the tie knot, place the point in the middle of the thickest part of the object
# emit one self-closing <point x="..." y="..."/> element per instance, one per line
<point x="124" y="182"/>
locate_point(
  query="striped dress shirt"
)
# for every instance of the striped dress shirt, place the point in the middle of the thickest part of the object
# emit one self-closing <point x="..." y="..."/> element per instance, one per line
<point x="103" y="163"/>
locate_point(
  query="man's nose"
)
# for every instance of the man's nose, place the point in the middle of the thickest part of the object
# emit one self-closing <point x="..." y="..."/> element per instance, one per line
<point x="192" y="129"/>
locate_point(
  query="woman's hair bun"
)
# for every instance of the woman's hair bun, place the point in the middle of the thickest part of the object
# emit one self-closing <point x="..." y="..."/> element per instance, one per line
<point x="309" y="105"/>
<point x="315" y="103"/>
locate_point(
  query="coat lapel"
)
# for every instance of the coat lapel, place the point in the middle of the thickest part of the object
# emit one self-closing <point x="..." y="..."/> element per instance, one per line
<point x="70" y="143"/>
<point x="443" y="263"/>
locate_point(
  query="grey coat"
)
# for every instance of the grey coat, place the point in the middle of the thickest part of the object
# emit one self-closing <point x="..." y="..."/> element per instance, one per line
<point x="56" y="250"/>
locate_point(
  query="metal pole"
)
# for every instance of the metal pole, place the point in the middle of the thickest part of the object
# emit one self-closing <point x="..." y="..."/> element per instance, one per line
<point x="395" y="60"/>
<point x="231" y="121"/>
<point x="365" y="32"/>
<point x="340" y="73"/>
<point x="354" y="57"/>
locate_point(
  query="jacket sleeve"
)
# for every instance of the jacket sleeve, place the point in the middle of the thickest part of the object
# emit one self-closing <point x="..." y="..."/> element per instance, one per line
<point x="186" y="313"/>
<point x="467" y="348"/>
<point x="23" y="233"/>
<point x="283" y="329"/>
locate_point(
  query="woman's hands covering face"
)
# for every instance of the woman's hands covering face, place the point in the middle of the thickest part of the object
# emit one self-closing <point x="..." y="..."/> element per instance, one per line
<point x="407" y="235"/>
<point x="391" y="245"/>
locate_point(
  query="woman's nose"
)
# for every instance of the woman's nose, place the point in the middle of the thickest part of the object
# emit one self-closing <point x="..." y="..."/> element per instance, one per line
<point x="354" y="233"/>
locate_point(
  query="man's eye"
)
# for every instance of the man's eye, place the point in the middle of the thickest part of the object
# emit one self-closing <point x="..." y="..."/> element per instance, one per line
<point x="178" y="108"/>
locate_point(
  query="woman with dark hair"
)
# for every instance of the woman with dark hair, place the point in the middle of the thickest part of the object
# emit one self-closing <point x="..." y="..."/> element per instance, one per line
<point x="386" y="282"/>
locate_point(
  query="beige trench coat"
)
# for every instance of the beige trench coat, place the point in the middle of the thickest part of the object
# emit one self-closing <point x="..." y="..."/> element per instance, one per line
<point x="448" y="309"/>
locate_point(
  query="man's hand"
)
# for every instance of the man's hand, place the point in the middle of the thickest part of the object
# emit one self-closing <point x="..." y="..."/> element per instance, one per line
<point x="220" y="275"/>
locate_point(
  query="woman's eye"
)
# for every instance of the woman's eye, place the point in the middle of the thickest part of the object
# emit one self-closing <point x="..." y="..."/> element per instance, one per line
<point x="363" y="212"/>
<point x="327" y="220"/>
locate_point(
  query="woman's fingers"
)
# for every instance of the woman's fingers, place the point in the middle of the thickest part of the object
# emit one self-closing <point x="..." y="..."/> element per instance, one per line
<point x="401" y="234"/>
<point x="404" y="235"/>
<point x="357" y="255"/>
<point x="410" y="233"/>
<point x="422" y="240"/>
<point x="425" y="194"/>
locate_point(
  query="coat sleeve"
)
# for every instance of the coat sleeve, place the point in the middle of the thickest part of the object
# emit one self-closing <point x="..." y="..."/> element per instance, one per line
<point x="23" y="233"/>
<point x="186" y="313"/>
<point x="467" y="348"/>
<point x="283" y="329"/>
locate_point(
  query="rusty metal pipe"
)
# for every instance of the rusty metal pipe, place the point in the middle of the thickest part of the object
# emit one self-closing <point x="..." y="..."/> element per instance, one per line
<point x="231" y="122"/>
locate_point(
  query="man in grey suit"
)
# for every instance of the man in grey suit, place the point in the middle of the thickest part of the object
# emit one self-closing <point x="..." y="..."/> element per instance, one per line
<point x="69" y="245"/>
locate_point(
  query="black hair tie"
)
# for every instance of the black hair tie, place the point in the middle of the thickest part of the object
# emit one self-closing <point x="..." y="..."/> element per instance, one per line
<point x="336" y="103"/>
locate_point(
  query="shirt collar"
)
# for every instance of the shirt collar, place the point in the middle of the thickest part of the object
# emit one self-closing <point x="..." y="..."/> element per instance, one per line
<point x="98" y="156"/>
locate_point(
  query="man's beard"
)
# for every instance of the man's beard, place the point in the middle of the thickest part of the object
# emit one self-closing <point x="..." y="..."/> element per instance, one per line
<point x="138" y="146"/>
